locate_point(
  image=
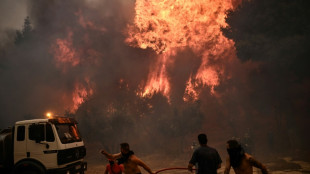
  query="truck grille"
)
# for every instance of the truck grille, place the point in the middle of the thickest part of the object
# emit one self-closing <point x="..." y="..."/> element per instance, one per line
<point x="70" y="155"/>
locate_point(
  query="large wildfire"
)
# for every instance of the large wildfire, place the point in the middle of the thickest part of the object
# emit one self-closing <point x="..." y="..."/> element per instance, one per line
<point x="169" y="26"/>
<point x="166" y="27"/>
<point x="163" y="69"/>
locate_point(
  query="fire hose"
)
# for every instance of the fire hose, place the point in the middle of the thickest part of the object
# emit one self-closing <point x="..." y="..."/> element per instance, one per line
<point x="172" y="168"/>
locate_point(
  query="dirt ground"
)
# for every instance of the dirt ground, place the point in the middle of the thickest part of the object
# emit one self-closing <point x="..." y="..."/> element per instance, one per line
<point x="286" y="165"/>
<point x="298" y="162"/>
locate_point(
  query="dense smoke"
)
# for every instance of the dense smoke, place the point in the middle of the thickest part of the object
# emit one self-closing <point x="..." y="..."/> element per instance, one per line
<point x="72" y="58"/>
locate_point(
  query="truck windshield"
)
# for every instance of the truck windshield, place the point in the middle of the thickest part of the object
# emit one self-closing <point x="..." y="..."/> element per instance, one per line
<point x="68" y="133"/>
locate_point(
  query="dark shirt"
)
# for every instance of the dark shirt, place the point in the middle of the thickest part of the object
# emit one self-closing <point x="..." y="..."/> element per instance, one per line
<point x="207" y="158"/>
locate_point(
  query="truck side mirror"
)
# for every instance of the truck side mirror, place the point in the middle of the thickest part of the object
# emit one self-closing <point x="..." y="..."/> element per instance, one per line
<point x="36" y="132"/>
<point x="47" y="146"/>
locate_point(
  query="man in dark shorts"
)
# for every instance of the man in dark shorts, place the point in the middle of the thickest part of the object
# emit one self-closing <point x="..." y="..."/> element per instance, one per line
<point x="207" y="158"/>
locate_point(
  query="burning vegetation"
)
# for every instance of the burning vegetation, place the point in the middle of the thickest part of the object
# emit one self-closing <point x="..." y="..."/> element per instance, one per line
<point x="155" y="73"/>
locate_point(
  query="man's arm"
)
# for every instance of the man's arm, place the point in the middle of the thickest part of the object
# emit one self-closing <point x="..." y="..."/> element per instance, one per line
<point x="192" y="161"/>
<point x="219" y="160"/>
<point x="110" y="156"/>
<point x="142" y="164"/>
<point x="228" y="166"/>
<point x="258" y="164"/>
<point x="190" y="167"/>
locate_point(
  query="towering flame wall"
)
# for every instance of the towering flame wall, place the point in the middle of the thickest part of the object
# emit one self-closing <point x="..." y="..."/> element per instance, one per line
<point x="170" y="26"/>
<point x="167" y="27"/>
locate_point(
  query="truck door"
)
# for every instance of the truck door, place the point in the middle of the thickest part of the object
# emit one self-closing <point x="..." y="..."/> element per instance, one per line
<point x="19" y="143"/>
<point x="41" y="144"/>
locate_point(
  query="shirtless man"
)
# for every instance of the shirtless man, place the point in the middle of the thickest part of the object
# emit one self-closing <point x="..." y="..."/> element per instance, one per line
<point x="241" y="162"/>
<point x="130" y="161"/>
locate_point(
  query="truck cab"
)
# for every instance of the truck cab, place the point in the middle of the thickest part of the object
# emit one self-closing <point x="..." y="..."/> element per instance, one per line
<point x="48" y="146"/>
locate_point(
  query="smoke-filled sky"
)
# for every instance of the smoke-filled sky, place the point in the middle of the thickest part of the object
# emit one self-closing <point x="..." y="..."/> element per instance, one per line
<point x="160" y="72"/>
<point x="12" y="15"/>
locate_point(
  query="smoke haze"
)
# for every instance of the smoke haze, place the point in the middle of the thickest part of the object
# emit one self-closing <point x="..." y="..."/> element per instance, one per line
<point x="75" y="59"/>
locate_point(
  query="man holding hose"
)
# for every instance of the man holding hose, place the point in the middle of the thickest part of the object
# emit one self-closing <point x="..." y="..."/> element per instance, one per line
<point x="130" y="161"/>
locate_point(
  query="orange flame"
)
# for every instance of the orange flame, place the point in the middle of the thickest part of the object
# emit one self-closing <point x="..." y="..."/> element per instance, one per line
<point x="80" y="94"/>
<point x="208" y="75"/>
<point x="64" y="53"/>
<point x="65" y="56"/>
<point x="88" y="24"/>
<point x="163" y="25"/>
<point x="158" y="80"/>
<point x="190" y="92"/>
<point x="175" y="24"/>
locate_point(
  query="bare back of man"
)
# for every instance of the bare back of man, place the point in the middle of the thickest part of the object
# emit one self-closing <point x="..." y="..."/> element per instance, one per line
<point x="246" y="165"/>
<point x="131" y="162"/>
<point x="131" y="165"/>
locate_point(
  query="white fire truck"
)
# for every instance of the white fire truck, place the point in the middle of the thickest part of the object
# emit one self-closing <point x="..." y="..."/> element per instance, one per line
<point x="42" y="146"/>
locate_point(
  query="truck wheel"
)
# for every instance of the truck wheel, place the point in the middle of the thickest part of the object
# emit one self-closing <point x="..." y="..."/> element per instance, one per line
<point x="29" y="167"/>
<point x="29" y="172"/>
